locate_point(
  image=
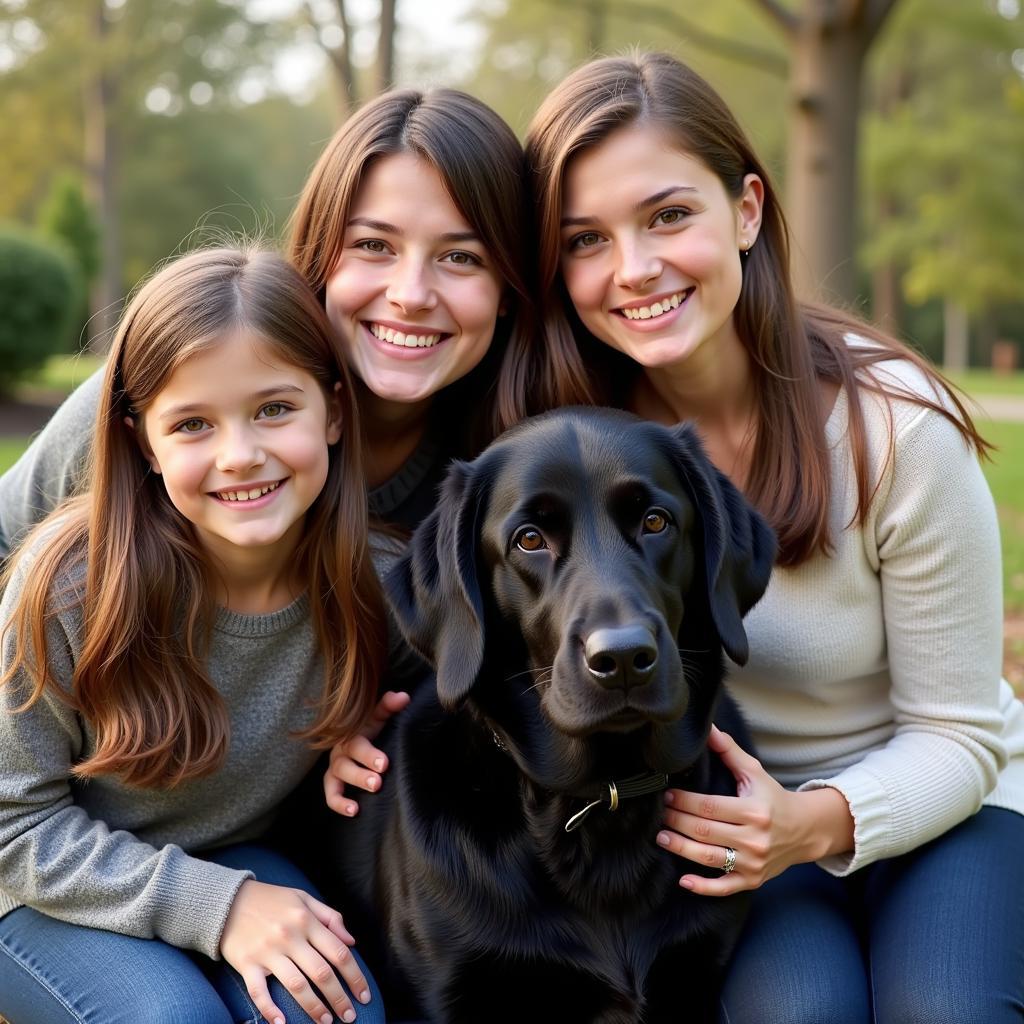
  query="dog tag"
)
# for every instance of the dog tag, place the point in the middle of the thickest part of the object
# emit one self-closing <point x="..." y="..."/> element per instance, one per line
<point x="577" y="819"/>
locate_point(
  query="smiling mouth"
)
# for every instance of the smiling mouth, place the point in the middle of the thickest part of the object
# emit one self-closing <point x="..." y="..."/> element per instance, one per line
<point x="402" y="339"/>
<point x="247" y="494"/>
<point x="656" y="309"/>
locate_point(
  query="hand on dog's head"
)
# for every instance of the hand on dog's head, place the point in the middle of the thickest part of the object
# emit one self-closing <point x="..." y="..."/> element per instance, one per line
<point x="598" y="557"/>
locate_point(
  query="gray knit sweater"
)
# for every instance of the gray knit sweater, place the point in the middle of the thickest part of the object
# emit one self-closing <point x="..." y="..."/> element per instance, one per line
<point x="110" y="856"/>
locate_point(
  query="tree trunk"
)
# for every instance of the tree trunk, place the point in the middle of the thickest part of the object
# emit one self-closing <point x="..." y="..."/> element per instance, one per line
<point x="101" y="181"/>
<point x="955" y="342"/>
<point x="386" y="46"/>
<point x="821" y="175"/>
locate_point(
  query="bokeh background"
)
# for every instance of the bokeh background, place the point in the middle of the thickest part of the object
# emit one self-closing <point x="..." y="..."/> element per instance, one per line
<point x="131" y="129"/>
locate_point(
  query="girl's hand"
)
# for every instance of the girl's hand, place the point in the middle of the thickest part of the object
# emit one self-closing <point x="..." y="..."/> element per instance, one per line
<point x="767" y="826"/>
<point x="357" y="761"/>
<point x="275" y="930"/>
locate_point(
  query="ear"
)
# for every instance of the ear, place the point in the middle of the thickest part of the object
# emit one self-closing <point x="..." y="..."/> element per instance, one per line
<point x="139" y="433"/>
<point x="434" y="588"/>
<point x="335" y="420"/>
<point x="748" y="212"/>
<point x="739" y="546"/>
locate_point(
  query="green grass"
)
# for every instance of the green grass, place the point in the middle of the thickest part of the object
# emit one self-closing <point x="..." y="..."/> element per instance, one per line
<point x="1005" y="475"/>
<point x="64" y="373"/>
<point x="985" y="382"/>
<point x="10" y="449"/>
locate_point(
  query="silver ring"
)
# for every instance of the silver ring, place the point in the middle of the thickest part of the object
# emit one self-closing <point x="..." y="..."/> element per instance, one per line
<point x="730" y="861"/>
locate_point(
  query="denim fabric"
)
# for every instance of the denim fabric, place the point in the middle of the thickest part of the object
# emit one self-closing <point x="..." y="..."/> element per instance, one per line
<point x="52" y="972"/>
<point x="933" y="937"/>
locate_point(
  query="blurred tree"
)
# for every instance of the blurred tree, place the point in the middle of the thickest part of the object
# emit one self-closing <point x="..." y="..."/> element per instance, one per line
<point x="945" y="162"/>
<point x="332" y="23"/>
<point x="66" y="217"/>
<point x="107" y="64"/>
<point x="38" y="294"/>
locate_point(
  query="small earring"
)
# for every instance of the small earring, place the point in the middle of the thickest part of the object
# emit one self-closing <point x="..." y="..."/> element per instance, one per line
<point x="745" y="251"/>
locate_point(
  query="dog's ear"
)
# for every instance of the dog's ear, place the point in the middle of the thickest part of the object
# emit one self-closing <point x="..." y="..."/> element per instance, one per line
<point x="434" y="590"/>
<point x="739" y="546"/>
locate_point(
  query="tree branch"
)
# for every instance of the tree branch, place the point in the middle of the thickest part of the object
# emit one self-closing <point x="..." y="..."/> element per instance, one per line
<point x="753" y="55"/>
<point x="783" y="17"/>
<point x="339" y="56"/>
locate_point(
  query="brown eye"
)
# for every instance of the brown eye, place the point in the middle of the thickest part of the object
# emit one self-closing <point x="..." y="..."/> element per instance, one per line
<point x="529" y="539"/>
<point x="655" y="521"/>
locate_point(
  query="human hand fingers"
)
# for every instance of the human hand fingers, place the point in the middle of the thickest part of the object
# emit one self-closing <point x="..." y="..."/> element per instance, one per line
<point x="295" y="978"/>
<point x="389" y="704"/>
<point x="329" y="918"/>
<point x="733" y="810"/>
<point x="746" y="768"/>
<point x="335" y="798"/>
<point x="705" y="830"/>
<point x="256" y="986"/>
<point x="716" y="857"/>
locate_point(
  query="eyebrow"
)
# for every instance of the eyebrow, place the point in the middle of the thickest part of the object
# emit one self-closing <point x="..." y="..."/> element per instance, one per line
<point x="177" y="411"/>
<point x="391" y="229"/>
<point x="637" y="207"/>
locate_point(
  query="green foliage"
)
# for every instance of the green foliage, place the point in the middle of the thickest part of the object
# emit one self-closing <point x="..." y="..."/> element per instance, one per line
<point x="66" y="217"/>
<point x="944" y="151"/>
<point x="38" y="296"/>
<point x="1005" y="475"/>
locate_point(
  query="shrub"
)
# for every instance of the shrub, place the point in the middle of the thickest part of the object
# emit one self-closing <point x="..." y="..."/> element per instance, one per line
<point x="39" y="298"/>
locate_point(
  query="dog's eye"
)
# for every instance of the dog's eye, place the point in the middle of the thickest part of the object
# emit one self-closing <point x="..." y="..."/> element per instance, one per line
<point x="529" y="539"/>
<point x="656" y="521"/>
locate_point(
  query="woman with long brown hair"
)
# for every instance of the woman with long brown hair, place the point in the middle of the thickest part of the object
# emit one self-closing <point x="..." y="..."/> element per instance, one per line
<point x="178" y="644"/>
<point x="883" y="827"/>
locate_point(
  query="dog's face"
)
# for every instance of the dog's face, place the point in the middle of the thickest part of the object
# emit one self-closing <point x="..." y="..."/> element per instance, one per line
<point x="577" y="583"/>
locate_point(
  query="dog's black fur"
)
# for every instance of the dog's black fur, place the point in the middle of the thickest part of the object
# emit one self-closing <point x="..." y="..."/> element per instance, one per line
<point x="488" y="907"/>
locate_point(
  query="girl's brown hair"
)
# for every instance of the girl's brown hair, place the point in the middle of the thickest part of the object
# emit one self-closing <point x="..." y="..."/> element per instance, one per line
<point x="792" y="346"/>
<point x="480" y="162"/>
<point x="140" y="678"/>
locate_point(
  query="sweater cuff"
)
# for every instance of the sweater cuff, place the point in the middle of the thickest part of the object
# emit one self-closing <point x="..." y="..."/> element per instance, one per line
<point x="871" y="810"/>
<point x="194" y="898"/>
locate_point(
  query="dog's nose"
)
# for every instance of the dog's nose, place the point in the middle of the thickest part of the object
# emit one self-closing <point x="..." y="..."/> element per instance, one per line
<point x="621" y="656"/>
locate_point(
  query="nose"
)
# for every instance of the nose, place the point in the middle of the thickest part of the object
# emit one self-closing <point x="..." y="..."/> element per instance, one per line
<point x="622" y="656"/>
<point x="410" y="288"/>
<point x="239" y="450"/>
<point x="637" y="265"/>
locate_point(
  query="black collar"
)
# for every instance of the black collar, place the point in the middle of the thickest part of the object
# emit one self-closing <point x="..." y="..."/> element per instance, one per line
<point x="610" y="793"/>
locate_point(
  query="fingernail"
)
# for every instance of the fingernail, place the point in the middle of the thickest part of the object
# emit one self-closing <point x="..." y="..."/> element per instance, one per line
<point x="348" y="1016"/>
<point x="379" y="764"/>
<point x="664" y="839"/>
<point x="351" y="809"/>
<point x="669" y="798"/>
<point x="371" y="782"/>
<point x="364" y="996"/>
<point x="686" y="883"/>
<point x="327" y="1018"/>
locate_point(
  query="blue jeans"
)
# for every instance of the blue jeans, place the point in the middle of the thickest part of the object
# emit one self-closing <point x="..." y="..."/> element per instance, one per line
<point x="52" y="971"/>
<point x="933" y="937"/>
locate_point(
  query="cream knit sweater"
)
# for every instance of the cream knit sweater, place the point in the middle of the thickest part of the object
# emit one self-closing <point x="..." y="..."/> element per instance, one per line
<point x="876" y="670"/>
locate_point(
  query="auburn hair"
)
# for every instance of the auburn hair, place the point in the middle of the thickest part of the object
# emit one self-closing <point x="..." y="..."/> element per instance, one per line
<point x="124" y="556"/>
<point x="480" y="162"/>
<point x="793" y="346"/>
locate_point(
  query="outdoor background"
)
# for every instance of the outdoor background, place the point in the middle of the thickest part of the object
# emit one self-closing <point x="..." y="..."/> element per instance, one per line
<point x="130" y="129"/>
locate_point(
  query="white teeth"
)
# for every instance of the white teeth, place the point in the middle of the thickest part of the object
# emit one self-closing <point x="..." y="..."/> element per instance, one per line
<point x="656" y="309"/>
<point x="394" y="337"/>
<point x="249" y="495"/>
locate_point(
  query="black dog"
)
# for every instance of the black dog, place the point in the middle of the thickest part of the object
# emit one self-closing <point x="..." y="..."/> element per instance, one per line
<point x="574" y="591"/>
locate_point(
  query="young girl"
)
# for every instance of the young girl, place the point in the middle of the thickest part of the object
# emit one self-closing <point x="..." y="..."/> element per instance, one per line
<point x="179" y="642"/>
<point x="893" y="755"/>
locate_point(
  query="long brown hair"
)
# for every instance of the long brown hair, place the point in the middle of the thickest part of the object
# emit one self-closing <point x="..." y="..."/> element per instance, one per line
<point x="480" y="162"/>
<point x="792" y="346"/>
<point x="140" y="678"/>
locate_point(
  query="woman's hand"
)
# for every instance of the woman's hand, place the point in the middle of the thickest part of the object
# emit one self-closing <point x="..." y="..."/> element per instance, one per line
<point x="275" y="930"/>
<point x="767" y="826"/>
<point x="357" y="761"/>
